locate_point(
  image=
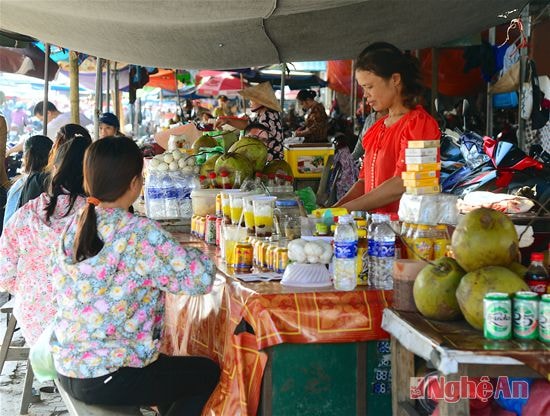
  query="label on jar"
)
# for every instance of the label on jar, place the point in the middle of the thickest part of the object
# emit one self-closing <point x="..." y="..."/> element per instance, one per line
<point x="345" y="249"/>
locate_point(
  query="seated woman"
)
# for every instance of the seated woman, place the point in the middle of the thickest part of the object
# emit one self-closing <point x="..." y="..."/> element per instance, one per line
<point x="316" y="126"/>
<point x="31" y="235"/>
<point x="35" y="159"/>
<point x="391" y="81"/>
<point x="111" y="273"/>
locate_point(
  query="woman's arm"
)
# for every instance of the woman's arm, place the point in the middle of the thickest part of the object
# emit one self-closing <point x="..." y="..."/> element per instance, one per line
<point x="237" y="123"/>
<point x="356" y="191"/>
<point x="386" y="193"/>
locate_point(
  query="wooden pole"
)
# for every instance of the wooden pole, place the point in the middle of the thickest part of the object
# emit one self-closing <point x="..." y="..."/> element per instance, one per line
<point x="108" y="86"/>
<point x="283" y="83"/>
<point x="353" y="96"/>
<point x="75" y="95"/>
<point x="46" y="89"/>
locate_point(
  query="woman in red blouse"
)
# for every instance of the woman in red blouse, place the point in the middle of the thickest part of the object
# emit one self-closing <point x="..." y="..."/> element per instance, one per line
<point x="391" y="81"/>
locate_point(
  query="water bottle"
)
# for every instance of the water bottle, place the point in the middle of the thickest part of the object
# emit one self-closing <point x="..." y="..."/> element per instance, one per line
<point x="372" y="250"/>
<point x="345" y="254"/>
<point x="384" y="238"/>
<point x="154" y="197"/>
<point x="171" y="206"/>
<point x="185" y="183"/>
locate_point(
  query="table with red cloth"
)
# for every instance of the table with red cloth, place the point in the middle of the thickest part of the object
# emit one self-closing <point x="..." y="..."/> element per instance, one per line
<point x="212" y="326"/>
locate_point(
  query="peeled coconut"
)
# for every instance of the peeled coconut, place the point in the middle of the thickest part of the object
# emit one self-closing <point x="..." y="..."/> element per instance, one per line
<point x="204" y="141"/>
<point x="485" y="237"/>
<point x="254" y="149"/>
<point x="434" y="289"/>
<point x="209" y="165"/>
<point x="475" y="285"/>
<point x="233" y="162"/>
<point x="278" y="167"/>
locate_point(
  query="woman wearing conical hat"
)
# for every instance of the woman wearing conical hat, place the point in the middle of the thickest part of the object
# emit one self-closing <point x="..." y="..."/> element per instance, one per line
<point x="266" y="106"/>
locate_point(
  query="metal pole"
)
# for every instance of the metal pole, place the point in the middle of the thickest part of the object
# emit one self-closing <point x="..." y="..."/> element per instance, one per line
<point x="283" y="83"/>
<point x="489" y="107"/>
<point x="108" y="86"/>
<point x="178" y="98"/>
<point x="435" y="79"/>
<point x="353" y="96"/>
<point x="522" y="68"/>
<point x="46" y="89"/>
<point x="97" y="109"/>
<point x="116" y="98"/>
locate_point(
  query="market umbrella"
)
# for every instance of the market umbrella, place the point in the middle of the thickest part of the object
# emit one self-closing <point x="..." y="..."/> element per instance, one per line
<point x="26" y="61"/>
<point x="214" y="83"/>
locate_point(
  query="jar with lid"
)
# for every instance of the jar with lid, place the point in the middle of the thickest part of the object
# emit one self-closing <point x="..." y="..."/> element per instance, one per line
<point x="287" y="214"/>
<point x="423" y="243"/>
<point x="362" y="253"/>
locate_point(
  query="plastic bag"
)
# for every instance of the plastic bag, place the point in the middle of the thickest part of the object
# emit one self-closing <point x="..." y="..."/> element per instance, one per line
<point x="308" y="198"/>
<point x="41" y="358"/>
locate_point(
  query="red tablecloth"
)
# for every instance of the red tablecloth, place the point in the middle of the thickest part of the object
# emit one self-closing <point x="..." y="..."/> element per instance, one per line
<point x="206" y="326"/>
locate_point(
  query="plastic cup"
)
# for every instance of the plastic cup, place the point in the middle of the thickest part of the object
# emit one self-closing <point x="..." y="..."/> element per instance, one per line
<point x="248" y="209"/>
<point x="263" y="215"/>
<point x="236" y="208"/>
<point x="231" y="235"/>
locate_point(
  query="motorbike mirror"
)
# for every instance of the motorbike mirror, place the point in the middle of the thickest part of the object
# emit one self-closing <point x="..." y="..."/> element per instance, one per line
<point x="436" y="104"/>
<point x="465" y="107"/>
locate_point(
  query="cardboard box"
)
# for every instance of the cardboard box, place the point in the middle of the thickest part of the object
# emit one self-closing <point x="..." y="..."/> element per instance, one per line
<point x="425" y="151"/>
<point x="421" y="183"/>
<point x="420" y="175"/>
<point x="425" y="190"/>
<point x="411" y="160"/>
<point x="423" y="167"/>
<point x="420" y="144"/>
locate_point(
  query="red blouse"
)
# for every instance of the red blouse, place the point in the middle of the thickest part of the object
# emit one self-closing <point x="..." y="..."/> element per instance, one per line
<point x="385" y="148"/>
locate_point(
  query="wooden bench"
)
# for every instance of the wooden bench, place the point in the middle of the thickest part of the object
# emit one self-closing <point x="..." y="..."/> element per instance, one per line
<point x="78" y="408"/>
<point x="9" y="352"/>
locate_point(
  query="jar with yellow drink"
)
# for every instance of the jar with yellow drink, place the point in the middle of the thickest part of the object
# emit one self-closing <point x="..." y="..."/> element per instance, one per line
<point x="423" y="243"/>
<point x="441" y="241"/>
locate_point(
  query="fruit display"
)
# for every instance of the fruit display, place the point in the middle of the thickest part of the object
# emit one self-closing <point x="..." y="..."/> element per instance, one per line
<point x="232" y="163"/>
<point x="486" y="252"/>
<point x="277" y="167"/>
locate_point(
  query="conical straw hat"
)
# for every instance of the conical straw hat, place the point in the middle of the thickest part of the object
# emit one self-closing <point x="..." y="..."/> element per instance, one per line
<point x="262" y="94"/>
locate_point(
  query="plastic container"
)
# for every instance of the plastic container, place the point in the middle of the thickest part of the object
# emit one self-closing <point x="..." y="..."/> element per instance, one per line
<point x="203" y="201"/>
<point x="384" y="239"/>
<point x="306" y="275"/>
<point x="308" y="160"/>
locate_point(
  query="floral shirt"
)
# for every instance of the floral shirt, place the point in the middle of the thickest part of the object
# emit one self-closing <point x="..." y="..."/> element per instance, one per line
<point x="272" y="120"/>
<point x="111" y="306"/>
<point x="25" y="249"/>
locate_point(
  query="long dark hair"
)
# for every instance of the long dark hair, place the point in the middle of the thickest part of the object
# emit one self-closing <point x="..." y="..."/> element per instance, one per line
<point x="384" y="59"/>
<point x="65" y="134"/>
<point x="37" y="152"/>
<point x="105" y="183"/>
<point x="66" y="176"/>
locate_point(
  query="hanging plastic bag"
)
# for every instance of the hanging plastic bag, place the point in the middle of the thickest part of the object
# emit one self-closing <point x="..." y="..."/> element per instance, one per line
<point x="308" y="198"/>
<point x="41" y="358"/>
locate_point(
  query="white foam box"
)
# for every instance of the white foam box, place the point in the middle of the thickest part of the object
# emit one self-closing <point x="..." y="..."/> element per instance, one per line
<point x="411" y="160"/>
<point x="423" y="167"/>
<point x="426" y="151"/>
<point x="424" y="190"/>
<point x="420" y="144"/>
<point x="408" y="176"/>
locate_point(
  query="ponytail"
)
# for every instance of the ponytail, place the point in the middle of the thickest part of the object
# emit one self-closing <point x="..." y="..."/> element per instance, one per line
<point x="87" y="242"/>
<point x="304" y="95"/>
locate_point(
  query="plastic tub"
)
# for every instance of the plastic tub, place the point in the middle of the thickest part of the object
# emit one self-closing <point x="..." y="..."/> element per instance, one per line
<point x="203" y="201"/>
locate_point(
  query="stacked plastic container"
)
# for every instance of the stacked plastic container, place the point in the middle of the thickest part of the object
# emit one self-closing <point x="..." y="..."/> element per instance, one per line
<point x="423" y="161"/>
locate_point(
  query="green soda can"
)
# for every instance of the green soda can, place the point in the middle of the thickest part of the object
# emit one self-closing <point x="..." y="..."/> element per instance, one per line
<point x="526" y="315"/>
<point x="497" y="313"/>
<point x="544" y="318"/>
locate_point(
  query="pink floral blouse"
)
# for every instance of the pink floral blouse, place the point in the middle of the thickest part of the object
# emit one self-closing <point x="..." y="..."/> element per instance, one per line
<point x="25" y="267"/>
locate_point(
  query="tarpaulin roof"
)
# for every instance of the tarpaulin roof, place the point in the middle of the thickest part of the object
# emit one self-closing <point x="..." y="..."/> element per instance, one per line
<point x="230" y="34"/>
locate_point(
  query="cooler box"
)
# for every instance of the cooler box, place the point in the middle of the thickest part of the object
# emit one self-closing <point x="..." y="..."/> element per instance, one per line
<point x="308" y="160"/>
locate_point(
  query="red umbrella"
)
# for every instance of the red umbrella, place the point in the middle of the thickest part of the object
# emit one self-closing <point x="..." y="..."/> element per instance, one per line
<point x="164" y="78"/>
<point x="214" y="83"/>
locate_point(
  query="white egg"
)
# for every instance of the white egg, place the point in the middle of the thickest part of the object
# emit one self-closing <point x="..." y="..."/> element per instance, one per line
<point x="173" y="166"/>
<point x="154" y="163"/>
<point x="191" y="161"/>
<point x="163" y="167"/>
<point x="168" y="157"/>
<point x="187" y="169"/>
<point x="177" y="155"/>
<point x="181" y="163"/>
<point x="313" y="249"/>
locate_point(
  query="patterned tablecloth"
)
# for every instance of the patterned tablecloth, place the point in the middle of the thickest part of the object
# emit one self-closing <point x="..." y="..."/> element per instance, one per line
<point x="237" y="321"/>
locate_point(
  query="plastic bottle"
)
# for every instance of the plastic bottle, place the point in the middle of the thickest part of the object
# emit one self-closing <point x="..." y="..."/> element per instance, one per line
<point x="212" y="180"/>
<point x="345" y="254"/>
<point x="384" y="239"/>
<point x="187" y="183"/>
<point x="203" y="182"/>
<point x="396" y="227"/>
<point x="226" y="183"/>
<point x="423" y="242"/>
<point x="237" y="180"/>
<point x="171" y="206"/>
<point x="536" y="276"/>
<point x="154" y="197"/>
<point x="441" y="241"/>
<point x="372" y="249"/>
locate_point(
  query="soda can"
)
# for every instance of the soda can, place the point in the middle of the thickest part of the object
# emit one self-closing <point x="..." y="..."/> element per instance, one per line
<point x="544" y="318"/>
<point x="219" y="222"/>
<point x="497" y="314"/>
<point x="526" y="311"/>
<point x="219" y="211"/>
<point x="210" y="229"/>
<point x="193" y="224"/>
<point x="243" y="258"/>
<point x="282" y="259"/>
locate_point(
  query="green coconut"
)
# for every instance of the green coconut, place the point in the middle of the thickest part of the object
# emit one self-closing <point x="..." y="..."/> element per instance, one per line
<point x="204" y="141"/>
<point x="232" y="163"/>
<point x="253" y="149"/>
<point x="278" y="167"/>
